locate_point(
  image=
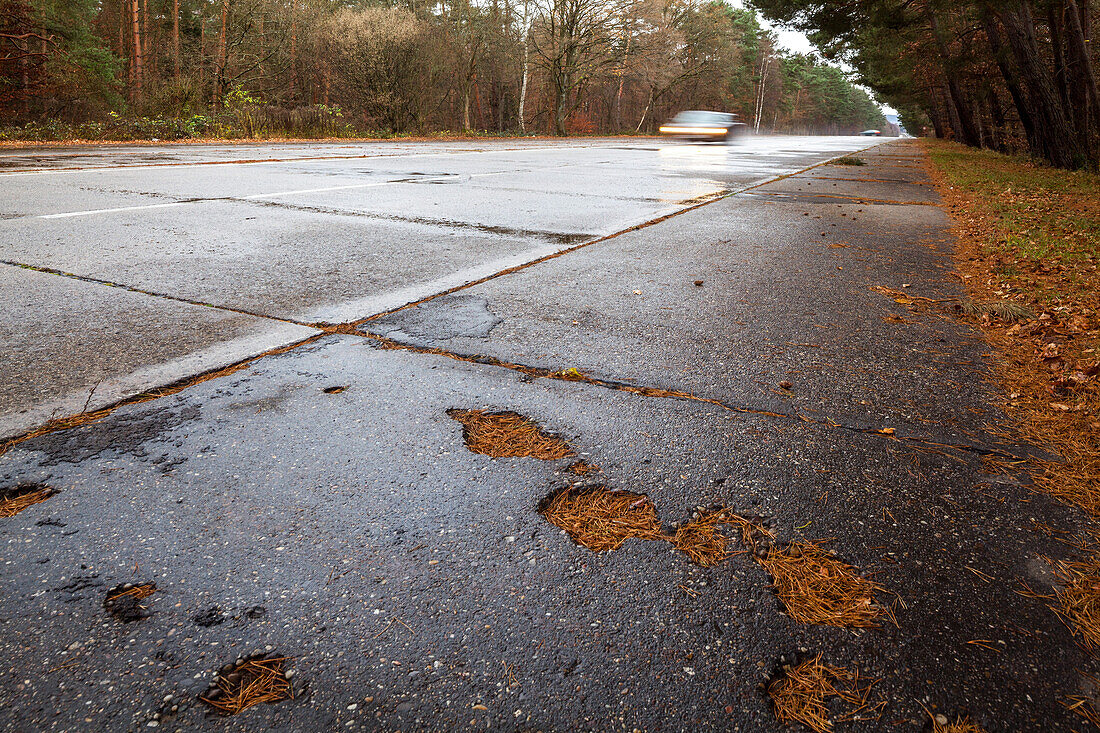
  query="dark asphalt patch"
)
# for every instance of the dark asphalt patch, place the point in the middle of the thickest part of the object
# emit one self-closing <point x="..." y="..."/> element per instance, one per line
<point x="124" y="602"/>
<point x="16" y="498"/>
<point x="210" y="617"/>
<point x="439" y="319"/>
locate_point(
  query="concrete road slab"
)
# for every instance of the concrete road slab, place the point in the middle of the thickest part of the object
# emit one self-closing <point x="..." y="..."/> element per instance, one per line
<point x="787" y="295"/>
<point x="416" y="586"/>
<point x="277" y="261"/>
<point x="73" y="346"/>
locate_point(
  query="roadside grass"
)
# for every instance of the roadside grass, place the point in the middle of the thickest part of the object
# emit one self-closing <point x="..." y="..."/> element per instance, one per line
<point x="1029" y="240"/>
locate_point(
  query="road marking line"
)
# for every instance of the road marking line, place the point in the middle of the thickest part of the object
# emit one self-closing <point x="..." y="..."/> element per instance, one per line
<point x="69" y="214"/>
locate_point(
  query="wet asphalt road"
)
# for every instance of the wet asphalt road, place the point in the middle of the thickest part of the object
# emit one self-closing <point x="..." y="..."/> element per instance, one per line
<point x="413" y="581"/>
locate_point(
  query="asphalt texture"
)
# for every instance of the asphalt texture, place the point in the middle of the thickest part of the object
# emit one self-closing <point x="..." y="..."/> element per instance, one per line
<point x="413" y="582"/>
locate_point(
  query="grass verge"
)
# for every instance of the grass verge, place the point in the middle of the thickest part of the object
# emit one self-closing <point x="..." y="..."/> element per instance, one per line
<point x="1029" y="241"/>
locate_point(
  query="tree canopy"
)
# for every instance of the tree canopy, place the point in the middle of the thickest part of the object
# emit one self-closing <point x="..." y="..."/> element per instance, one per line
<point x="552" y="66"/>
<point x="1003" y="74"/>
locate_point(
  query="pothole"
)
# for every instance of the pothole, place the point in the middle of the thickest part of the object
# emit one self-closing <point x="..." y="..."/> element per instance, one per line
<point x="124" y="602"/>
<point x="812" y="693"/>
<point x="258" y="678"/>
<point x="209" y="617"/>
<point x="508" y="434"/>
<point x="704" y="545"/>
<point x="600" y="519"/>
<point x="17" y="498"/>
<point x="817" y="588"/>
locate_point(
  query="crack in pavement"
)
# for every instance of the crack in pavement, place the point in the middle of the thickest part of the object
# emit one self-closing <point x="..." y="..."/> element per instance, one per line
<point x="130" y="288"/>
<point x="575" y="375"/>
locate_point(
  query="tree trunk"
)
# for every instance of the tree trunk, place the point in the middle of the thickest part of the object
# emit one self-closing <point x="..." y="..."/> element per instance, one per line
<point x="526" y="63"/>
<point x="997" y="116"/>
<point x="223" y="53"/>
<point x="176" y="37"/>
<point x="1057" y="46"/>
<point x="135" y="19"/>
<point x="965" y="131"/>
<point x="293" y="54"/>
<point x="1060" y="145"/>
<point x="561" y="101"/>
<point x="1078" y="44"/>
<point x="1012" y="82"/>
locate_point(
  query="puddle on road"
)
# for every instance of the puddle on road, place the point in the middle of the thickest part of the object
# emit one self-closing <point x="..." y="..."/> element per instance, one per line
<point x="21" y="496"/>
<point x="507" y="435"/>
<point x="124" y="602"/>
<point x="259" y="678"/>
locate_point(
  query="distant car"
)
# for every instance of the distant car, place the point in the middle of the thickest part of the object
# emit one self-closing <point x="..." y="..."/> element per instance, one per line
<point x="871" y="133"/>
<point x="699" y="124"/>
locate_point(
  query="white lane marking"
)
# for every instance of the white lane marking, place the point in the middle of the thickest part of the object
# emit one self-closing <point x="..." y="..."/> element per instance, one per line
<point x="277" y="194"/>
<point x="68" y="214"/>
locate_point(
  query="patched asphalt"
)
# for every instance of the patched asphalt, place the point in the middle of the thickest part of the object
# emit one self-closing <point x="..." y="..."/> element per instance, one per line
<point x="415" y="584"/>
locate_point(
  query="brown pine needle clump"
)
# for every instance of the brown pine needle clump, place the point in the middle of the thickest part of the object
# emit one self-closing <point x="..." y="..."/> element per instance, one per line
<point x="18" y="498"/>
<point x="250" y="683"/>
<point x="961" y="725"/>
<point x="583" y="468"/>
<point x="800" y="694"/>
<point x="816" y="588"/>
<point x="143" y="590"/>
<point x="1079" y="598"/>
<point x="600" y="519"/>
<point x="704" y="545"/>
<point x="508" y="434"/>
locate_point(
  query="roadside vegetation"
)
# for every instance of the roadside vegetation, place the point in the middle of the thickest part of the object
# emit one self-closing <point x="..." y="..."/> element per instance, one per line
<point x="1029" y="252"/>
<point x="1011" y="75"/>
<point x="192" y="69"/>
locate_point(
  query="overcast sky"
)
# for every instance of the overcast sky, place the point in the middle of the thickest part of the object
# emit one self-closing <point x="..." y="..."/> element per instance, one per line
<point x="797" y="42"/>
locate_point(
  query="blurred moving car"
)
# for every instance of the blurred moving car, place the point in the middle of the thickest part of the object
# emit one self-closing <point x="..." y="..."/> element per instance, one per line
<point x="871" y="133"/>
<point x="697" y="124"/>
